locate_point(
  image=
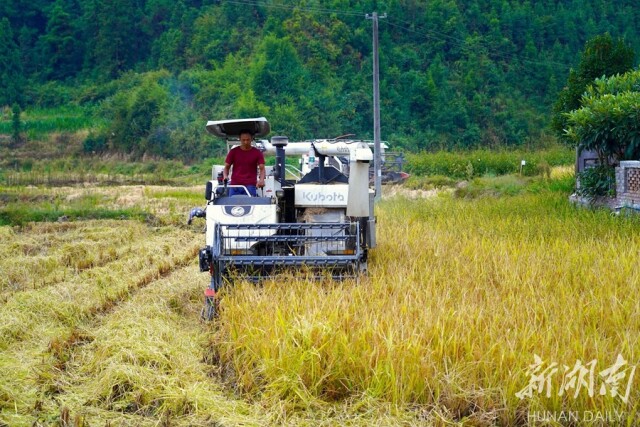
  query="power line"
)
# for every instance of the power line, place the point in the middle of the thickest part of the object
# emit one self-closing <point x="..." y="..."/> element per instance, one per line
<point x="462" y="43"/>
<point x="271" y="5"/>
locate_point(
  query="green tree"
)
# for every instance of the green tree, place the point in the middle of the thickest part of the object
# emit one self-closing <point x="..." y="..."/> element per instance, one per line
<point x="115" y="41"/>
<point x="608" y="121"/>
<point x="62" y="44"/>
<point x="277" y="74"/>
<point x="28" y="20"/>
<point x="170" y="39"/>
<point x="224" y="29"/>
<point x="137" y="117"/>
<point x="451" y="72"/>
<point x="11" y="80"/>
<point x="248" y="105"/>
<point x="603" y="56"/>
<point x="168" y="50"/>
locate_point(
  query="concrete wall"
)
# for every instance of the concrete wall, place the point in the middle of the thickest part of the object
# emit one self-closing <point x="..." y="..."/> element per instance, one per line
<point x="628" y="184"/>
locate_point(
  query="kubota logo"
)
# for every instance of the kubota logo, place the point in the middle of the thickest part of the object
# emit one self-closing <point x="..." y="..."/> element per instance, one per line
<point x="237" y="211"/>
<point x="309" y="196"/>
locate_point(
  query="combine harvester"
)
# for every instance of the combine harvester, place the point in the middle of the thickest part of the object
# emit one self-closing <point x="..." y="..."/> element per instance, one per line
<point x="319" y="218"/>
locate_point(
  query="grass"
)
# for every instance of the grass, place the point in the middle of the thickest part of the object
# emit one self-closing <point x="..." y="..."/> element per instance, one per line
<point x="137" y="364"/>
<point x="44" y="254"/>
<point x="475" y="163"/>
<point x="46" y="165"/>
<point x="38" y="206"/>
<point x="22" y="215"/>
<point x="79" y="171"/>
<point x="99" y="319"/>
<point x="37" y="123"/>
<point x="157" y="205"/>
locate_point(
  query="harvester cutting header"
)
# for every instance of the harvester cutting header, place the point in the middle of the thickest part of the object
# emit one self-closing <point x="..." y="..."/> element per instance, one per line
<point x="320" y="216"/>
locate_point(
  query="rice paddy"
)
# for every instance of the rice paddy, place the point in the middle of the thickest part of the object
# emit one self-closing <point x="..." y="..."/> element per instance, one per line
<point x="499" y="305"/>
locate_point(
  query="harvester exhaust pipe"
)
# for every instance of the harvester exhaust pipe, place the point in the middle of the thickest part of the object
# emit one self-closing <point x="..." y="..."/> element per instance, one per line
<point x="279" y="172"/>
<point x="358" y="198"/>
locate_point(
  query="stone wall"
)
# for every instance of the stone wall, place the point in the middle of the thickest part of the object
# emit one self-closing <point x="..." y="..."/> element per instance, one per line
<point x="628" y="184"/>
<point x="586" y="159"/>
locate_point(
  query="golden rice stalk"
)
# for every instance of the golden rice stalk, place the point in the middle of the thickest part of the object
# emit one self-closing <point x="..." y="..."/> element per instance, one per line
<point x="460" y="296"/>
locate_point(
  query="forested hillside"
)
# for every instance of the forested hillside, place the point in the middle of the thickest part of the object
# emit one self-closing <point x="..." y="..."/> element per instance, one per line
<point x="149" y="72"/>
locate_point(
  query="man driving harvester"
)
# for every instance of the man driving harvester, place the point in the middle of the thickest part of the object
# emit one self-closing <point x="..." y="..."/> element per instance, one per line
<point x="246" y="160"/>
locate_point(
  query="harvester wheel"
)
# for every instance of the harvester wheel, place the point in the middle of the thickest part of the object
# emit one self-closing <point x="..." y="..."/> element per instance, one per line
<point x="210" y="309"/>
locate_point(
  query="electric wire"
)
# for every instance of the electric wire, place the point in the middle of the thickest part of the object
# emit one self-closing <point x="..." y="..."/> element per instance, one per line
<point x="295" y="7"/>
<point x="406" y="27"/>
<point x="462" y="44"/>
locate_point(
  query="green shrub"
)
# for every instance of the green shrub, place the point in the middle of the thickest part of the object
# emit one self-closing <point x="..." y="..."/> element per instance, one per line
<point x="597" y="181"/>
<point x="607" y="121"/>
<point x="564" y="184"/>
<point x="95" y="143"/>
<point x="50" y="94"/>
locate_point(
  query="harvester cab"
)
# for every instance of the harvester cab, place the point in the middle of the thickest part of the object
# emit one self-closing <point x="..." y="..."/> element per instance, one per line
<point x="320" y="220"/>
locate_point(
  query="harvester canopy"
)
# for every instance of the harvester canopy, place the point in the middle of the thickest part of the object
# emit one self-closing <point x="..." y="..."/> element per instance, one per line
<point x="259" y="127"/>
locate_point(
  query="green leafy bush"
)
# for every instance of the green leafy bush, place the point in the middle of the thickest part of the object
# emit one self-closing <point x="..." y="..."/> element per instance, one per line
<point x="95" y="143"/>
<point x="597" y="181"/>
<point x="608" y="120"/>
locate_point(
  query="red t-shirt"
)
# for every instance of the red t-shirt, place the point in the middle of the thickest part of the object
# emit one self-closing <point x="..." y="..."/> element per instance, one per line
<point x="245" y="165"/>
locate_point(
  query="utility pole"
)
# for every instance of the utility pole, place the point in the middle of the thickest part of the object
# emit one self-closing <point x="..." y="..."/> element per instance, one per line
<point x="377" y="159"/>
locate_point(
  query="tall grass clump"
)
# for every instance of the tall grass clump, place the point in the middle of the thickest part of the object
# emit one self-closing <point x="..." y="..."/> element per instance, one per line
<point x="460" y="297"/>
<point x="467" y="164"/>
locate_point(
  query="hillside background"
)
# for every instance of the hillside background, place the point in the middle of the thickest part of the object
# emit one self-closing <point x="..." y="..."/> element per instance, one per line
<point x="142" y="77"/>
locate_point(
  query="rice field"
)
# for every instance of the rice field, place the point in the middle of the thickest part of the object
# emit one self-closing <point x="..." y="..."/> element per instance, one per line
<point x="501" y="305"/>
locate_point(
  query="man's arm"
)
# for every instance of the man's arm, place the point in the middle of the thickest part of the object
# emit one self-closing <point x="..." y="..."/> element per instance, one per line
<point x="261" y="175"/>
<point x="228" y="161"/>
